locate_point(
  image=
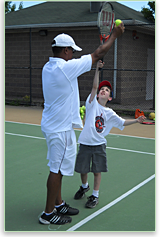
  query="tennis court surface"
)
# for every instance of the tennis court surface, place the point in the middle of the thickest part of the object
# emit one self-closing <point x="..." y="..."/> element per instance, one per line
<point x="127" y="192"/>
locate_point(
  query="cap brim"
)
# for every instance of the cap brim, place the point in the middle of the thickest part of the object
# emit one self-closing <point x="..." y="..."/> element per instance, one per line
<point x="75" y="47"/>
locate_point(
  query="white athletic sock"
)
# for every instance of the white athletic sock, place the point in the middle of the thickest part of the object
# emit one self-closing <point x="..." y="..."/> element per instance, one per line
<point x="85" y="185"/>
<point x="95" y="193"/>
<point x="47" y="214"/>
<point x="60" y="204"/>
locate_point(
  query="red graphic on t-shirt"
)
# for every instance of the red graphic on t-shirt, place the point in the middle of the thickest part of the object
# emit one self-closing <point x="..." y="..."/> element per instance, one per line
<point x="99" y="123"/>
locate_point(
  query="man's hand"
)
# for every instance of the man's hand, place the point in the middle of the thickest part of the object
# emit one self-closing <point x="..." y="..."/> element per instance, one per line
<point x="101" y="51"/>
<point x="140" y="119"/>
<point x="118" y="30"/>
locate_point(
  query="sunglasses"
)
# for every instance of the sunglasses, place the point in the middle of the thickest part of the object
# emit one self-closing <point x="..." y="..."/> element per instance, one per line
<point x="73" y="50"/>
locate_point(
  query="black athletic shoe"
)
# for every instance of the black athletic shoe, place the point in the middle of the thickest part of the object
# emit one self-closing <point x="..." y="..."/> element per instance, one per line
<point x="54" y="218"/>
<point x="92" y="201"/>
<point x="67" y="210"/>
<point x="80" y="193"/>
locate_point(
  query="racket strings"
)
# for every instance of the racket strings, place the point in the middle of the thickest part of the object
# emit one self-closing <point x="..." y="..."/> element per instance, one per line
<point x="105" y="21"/>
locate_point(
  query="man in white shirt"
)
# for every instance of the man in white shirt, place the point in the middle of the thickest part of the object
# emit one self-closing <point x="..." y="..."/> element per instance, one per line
<point x="61" y="96"/>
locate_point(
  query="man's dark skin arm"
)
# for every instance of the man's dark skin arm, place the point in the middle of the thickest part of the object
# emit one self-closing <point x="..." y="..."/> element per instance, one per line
<point x="100" y="52"/>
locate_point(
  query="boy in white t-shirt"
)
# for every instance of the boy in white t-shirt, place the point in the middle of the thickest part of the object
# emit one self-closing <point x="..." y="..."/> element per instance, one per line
<point x="98" y="123"/>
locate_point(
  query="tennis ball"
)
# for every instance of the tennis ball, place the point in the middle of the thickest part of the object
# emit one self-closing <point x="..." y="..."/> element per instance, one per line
<point x="118" y="22"/>
<point x="84" y="108"/>
<point x="151" y="116"/>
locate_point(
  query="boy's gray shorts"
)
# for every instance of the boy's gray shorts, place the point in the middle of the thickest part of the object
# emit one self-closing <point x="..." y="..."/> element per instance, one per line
<point x="91" y="159"/>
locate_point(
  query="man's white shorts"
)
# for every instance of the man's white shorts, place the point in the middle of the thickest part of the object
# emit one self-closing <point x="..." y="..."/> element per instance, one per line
<point x="62" y="149"/>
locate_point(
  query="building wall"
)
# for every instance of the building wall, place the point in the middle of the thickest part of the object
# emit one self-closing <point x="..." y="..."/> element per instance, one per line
<point x="17" y="54"/>
<point x="132" y="54"/>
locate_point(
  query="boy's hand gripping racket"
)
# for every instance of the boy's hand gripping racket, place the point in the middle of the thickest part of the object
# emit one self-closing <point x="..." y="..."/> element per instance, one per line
<point x="105" y="22"/>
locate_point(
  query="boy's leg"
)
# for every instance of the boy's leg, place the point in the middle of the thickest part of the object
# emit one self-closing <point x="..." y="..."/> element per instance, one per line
<point x="99" y="165"/>
<point x="93" y="199"/>
<point x="97" y="181"/>
<point x="84" y="188"/>
<point x="82" y="166"/>
<point x="84" y="178"/>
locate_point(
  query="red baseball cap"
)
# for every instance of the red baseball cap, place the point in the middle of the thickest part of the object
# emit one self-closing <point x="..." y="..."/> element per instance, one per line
<point x="105" y="83"/>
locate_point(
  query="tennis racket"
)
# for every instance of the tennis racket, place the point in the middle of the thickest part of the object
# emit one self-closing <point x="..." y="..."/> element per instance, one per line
<point x="149" y="123"/>
<point x="105" y="23"/>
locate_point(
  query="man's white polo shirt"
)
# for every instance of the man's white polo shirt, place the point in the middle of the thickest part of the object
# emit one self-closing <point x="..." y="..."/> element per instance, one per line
<point x="61" y="93"/>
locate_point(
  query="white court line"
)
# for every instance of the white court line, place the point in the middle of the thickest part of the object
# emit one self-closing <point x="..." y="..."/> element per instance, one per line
<point x="23" y="123"/>
<point x="21" y="135"/>
<point x="122" y="135"/>
<point x="80" y="130"/>
<point x="113" y="148"/>
<point x="84" y="221"/>
<point x="119" y="149"/>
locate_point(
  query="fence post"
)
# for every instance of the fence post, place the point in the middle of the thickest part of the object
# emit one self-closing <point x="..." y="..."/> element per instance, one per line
<point x="30" y="67"/>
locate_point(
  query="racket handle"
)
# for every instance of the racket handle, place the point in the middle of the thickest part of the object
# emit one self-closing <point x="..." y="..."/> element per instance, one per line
<point x="100" y="69"/>
<point x="103" y="41"/>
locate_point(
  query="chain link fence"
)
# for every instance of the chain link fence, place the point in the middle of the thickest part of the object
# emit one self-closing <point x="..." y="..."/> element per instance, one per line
<point x="133" y="89"/>
<point x="129" y="65"/>
<point x="133" y="73"/>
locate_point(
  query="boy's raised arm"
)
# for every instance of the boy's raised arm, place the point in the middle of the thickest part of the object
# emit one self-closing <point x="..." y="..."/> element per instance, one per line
<point x="96" y="81"/>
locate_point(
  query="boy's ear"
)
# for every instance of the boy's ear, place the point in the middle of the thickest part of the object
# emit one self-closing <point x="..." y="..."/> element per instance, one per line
<point x="110" y="98"/>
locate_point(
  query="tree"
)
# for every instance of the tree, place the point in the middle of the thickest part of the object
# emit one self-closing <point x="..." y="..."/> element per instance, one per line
<point x="9" y="8"/>
<point x="20" y="6"/>
<point x="149" y="13"/>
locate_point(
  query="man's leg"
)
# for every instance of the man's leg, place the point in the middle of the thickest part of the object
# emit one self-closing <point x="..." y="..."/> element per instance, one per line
<point x="59" y="197"/>
<point x="53" y="191"/>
